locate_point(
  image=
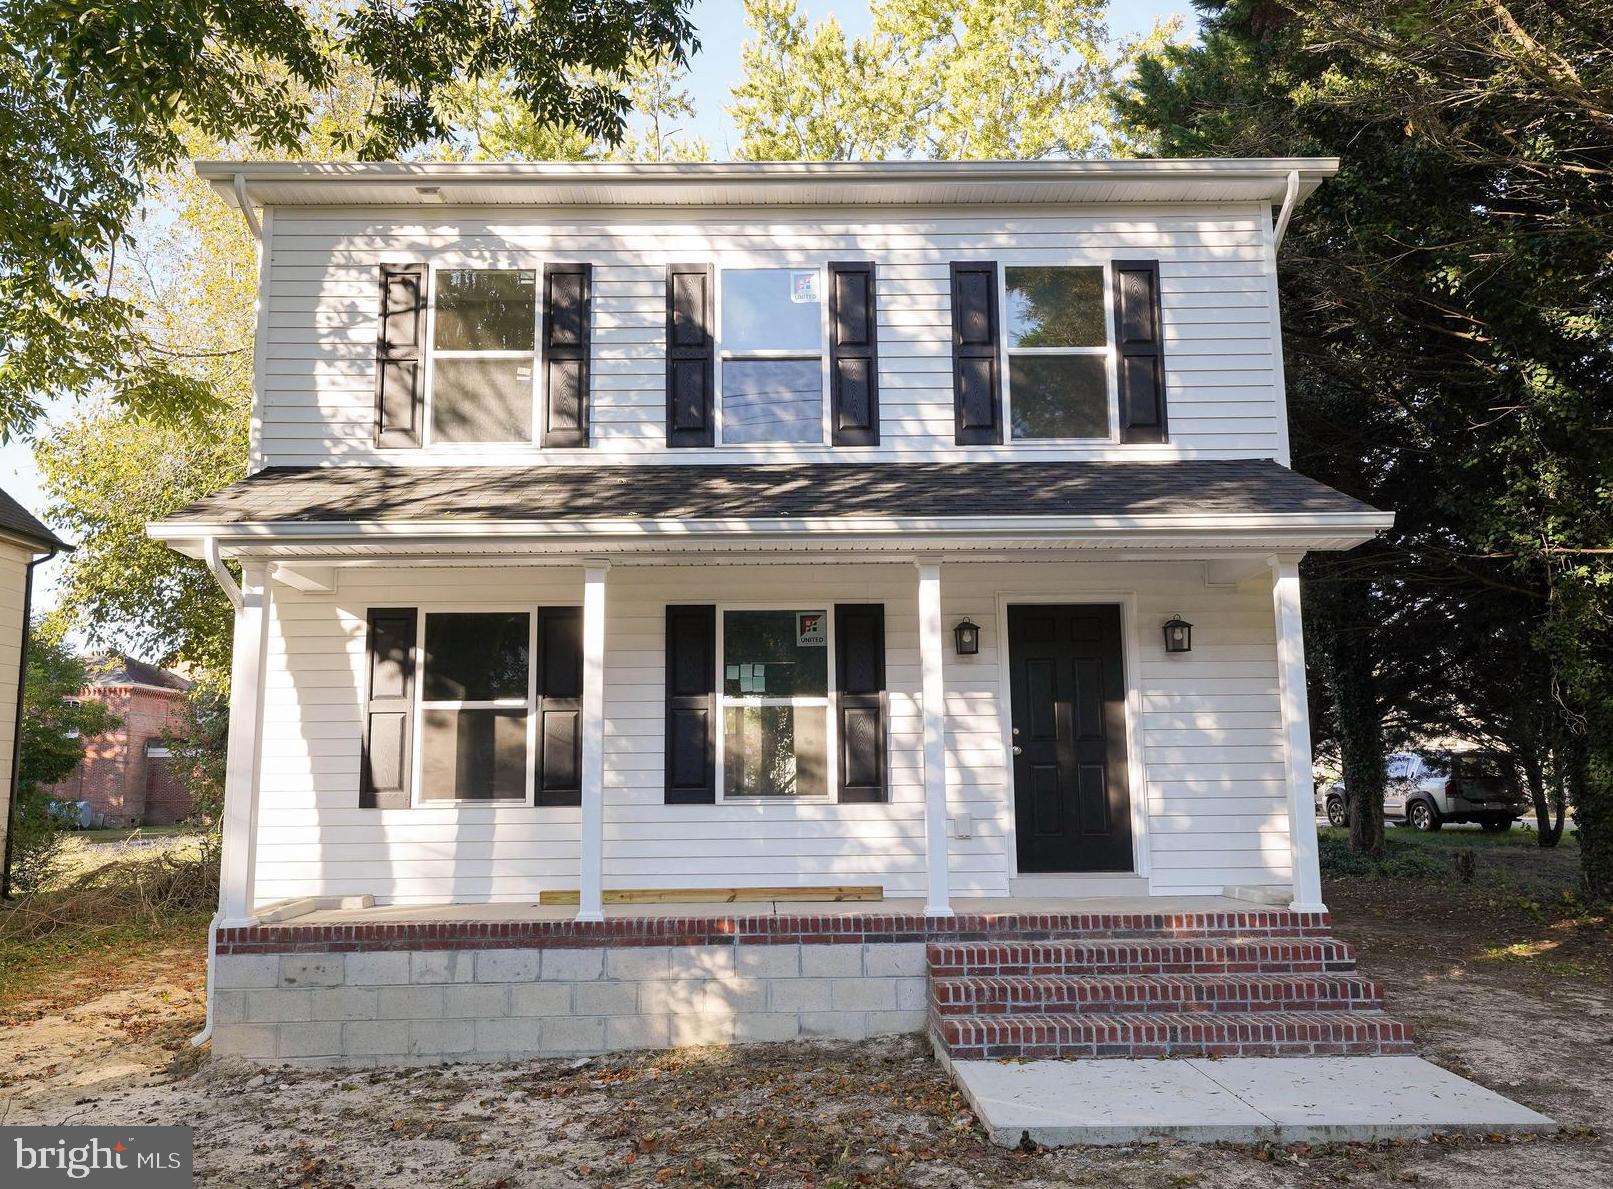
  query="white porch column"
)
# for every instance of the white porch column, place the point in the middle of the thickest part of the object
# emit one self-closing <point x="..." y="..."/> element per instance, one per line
<point x="591" y="900"/>
<point x="1296" y="733"/>
<point x="238" y="861"/>
<point x="932" y="651"/>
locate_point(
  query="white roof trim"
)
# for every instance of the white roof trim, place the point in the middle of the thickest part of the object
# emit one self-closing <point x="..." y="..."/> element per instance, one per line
<point x="1338" y="529"/>
<point x="438" y="183"/>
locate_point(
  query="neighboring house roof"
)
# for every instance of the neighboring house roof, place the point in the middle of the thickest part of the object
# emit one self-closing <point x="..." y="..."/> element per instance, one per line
<point x="550" y="183"/>
<point x="569" y="494"/>
<point x="115" y="668"/>
<point x="19" y="522"/>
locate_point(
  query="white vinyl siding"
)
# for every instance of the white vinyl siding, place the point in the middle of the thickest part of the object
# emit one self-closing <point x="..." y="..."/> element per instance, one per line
<point x="318" y="349"/>
<point x="13" y="589"/>
<point x="1209" y="724"/>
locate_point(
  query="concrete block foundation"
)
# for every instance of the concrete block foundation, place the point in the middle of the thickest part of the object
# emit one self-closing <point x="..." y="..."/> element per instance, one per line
<point x="492" y="1005"/>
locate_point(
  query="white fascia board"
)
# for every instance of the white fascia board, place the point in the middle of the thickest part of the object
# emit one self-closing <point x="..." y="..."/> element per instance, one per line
<point x="693" y="183"/>
<point x="828" y="533"/>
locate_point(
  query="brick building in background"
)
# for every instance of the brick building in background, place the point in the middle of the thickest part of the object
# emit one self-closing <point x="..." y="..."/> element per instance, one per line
<point x="125" y="774"/>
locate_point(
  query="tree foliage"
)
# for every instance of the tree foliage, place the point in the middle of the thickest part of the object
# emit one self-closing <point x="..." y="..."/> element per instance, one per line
<point x="55" y="727"/>
<point x="109" y="471"/>
<point x="95" y="99"/>
<point x="190" y="268"/>
<point x="1449" y="351"/>
<point x="942" y="79"/>
<point x="491" y="123"/>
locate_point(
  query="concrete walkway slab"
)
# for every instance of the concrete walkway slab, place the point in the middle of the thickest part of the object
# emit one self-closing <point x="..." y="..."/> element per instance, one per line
<point x="1237" y="1100"/>
<point x="1105" y="1102"/>
<point x="1339" y="1095"/>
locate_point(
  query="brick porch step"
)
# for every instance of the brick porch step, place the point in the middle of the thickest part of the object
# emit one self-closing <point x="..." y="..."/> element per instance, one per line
<point x="1208" y="956"/>
<point x="1102" y="994"/>
<point x="1151" y="1034"/>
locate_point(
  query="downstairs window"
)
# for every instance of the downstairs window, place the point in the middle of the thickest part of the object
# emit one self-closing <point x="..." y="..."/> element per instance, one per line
<point x="775" y="704"/>
<point x="476" y="699"/>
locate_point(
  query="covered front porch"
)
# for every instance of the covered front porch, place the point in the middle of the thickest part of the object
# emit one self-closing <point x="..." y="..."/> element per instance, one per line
<point x="1204" y="782"/>
<point x="452" y="688"/>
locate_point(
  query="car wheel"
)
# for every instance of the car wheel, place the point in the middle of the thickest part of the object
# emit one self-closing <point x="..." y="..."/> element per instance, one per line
<point x="1420" y="816"/>
<point x="1496" y="825"/>
<point x="1336" y="813"/>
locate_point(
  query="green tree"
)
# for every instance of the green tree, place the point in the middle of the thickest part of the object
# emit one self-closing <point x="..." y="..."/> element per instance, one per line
<point x="493" y="124"/>
<point x="190" y="269"/>
<point x="942" y="79"/>
<point x="95" y="99"/>
<point x="108" y="471"/>
<point x="1449" y="347"/>
<point x="55" y="727"/>
<point x="200" y="757"/>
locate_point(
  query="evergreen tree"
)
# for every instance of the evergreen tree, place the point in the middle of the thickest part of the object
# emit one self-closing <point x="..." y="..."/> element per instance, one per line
<point x="1449" y="350"/>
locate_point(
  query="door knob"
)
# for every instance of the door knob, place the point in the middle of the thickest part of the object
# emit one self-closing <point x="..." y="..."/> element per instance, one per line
<point x="1017" y="749"/>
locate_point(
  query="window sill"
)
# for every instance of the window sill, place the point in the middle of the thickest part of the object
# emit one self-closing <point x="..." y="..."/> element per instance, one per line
<point x="491" y="803"/>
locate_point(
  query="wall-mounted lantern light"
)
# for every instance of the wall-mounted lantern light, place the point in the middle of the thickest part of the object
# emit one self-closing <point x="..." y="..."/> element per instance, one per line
<point x="966" y="636"/>
<point x="1178" y="635"/>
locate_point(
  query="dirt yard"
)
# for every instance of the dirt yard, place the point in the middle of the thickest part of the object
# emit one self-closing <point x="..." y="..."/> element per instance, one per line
<point x="1512" y="991"/>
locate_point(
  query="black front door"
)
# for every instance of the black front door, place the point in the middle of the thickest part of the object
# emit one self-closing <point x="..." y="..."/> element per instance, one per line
<point x="1072" y="807"/>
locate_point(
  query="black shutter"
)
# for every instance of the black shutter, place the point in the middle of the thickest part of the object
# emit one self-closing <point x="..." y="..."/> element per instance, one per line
<point x="388" y="718"/>
<point x="567" y="301"/>
<point x="559" y="759"/>
<point x="976" y="365"/>
<point x="853" y="354"/>
<point x="691" y="705"/>
<point x="861" y="701"/>
<point x="400" y="369"/>
<point x="690" y="362"/>
<point x="1140" y="349"/>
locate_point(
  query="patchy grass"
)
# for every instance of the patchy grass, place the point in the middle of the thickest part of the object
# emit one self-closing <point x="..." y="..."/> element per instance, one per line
<point x="42" y="974"/>
<point x="98" y="837"/>
<point x="1496" y="864"/>
<point x="84" y="851"/>
<point x="123" y="906"/>
<point x="1454" y="838"/>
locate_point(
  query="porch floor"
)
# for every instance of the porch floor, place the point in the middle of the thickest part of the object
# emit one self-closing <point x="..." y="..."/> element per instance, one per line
<point x="990" y="905"/>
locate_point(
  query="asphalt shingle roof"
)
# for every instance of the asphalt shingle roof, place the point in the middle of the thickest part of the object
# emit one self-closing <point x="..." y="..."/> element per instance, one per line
<point x="14" y="518"/>
<point x="310" y="495"/>
<point x="117" y="668"/>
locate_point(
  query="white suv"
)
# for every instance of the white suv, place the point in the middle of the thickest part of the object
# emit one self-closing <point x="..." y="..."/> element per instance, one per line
<point x="1427" y="789"/>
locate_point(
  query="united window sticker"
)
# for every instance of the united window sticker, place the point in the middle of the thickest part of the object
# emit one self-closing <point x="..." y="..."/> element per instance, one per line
<point x="811" y="629"/>
<point x="804" y="286"/>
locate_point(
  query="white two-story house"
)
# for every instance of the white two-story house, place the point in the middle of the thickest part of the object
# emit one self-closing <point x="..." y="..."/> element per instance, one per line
<point x="913" y="538"/>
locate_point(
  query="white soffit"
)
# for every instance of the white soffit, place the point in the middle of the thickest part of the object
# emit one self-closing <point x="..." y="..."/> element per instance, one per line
<point x="768" y="183"/>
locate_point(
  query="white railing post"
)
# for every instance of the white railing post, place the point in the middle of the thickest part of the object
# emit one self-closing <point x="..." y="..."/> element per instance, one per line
<point x="238" y="860"/>
<point x="591" y="897"/>
<point x="1307" y="870"/>
<point x="932" y="651"/>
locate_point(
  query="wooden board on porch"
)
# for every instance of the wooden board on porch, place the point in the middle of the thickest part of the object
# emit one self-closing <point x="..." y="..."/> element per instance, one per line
<point x="721" y="895"/>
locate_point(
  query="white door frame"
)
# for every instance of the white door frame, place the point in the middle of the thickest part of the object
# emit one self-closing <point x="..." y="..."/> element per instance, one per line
<point x="1130" y="652"/>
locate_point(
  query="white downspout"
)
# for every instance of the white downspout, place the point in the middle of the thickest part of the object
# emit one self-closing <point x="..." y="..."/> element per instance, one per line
<point x="1290" y="201"/>
<point x="252" y="223"/>
<point x="215" y="563"/>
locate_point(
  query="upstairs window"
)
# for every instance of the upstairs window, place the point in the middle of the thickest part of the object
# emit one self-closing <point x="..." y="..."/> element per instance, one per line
<point x="771" y="355"/>
<point x="775" y="703"/>
<point x="1057" y="338"/>
<point x="484" y="355"/>
<point x="476" y="696"/>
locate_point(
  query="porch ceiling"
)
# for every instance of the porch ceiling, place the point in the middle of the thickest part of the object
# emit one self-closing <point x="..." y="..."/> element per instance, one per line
<point x="840" y="508"/>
